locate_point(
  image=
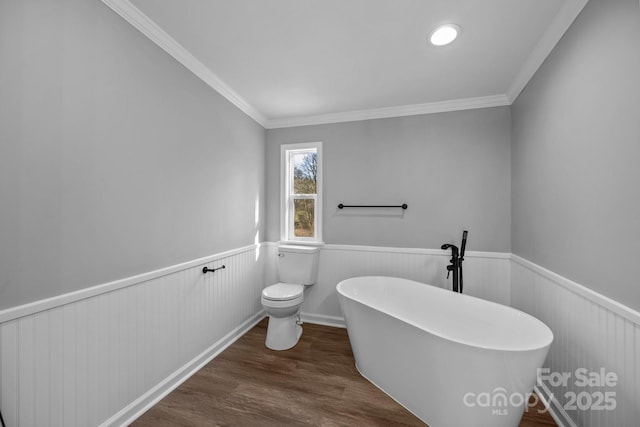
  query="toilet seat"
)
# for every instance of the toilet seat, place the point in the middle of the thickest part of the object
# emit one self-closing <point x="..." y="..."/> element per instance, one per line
<point x="283" y="292"/>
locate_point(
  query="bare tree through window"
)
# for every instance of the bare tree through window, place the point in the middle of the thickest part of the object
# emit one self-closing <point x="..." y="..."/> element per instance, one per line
<point x="305" y="172"/>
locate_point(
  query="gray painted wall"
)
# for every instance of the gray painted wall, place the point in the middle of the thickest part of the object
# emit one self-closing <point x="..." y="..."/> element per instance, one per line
<point x="452" y="169"/>
<point x="575" y="154"/>
<point x="114" y="159"/>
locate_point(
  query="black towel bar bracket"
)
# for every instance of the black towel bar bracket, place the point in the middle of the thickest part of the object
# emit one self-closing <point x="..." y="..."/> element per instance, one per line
<point x="206" y="270"/>
<point x="403" y="206"/>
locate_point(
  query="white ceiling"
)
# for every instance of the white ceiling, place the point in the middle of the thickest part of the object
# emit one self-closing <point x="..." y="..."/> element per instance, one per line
<point x="293" y="62"/>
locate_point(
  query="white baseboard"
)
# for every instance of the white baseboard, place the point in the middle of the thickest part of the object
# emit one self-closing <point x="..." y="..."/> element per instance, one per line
<point x="553" y="406"/>
<point x="145" y="402"/>
<point x="320" y="319"/>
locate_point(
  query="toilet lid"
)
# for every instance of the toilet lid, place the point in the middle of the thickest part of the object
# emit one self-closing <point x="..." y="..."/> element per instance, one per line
<point x="282" y="291"/>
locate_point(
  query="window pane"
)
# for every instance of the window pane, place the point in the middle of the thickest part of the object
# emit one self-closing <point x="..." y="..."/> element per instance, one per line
<point x="304" y="220"/>
<point x="305" y="170"/>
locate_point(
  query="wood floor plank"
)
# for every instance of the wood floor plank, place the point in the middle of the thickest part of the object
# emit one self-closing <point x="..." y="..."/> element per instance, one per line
<point x="313" y="384"/>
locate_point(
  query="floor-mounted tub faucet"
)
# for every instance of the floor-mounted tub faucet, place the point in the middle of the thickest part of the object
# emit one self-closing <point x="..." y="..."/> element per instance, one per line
<point x="456" y="262"/>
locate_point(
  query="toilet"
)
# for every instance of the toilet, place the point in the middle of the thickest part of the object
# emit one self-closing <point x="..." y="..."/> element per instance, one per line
<point x="297" y="269"/>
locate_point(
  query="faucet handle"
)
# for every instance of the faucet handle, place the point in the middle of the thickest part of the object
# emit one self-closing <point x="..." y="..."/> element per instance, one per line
<point x="449" y="270"/>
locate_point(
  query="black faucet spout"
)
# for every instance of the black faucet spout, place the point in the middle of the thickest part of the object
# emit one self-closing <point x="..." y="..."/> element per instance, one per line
<point x="454" y="248"/>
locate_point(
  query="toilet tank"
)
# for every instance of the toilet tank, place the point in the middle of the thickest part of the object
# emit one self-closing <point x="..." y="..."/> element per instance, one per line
<point x="298" y="264"/>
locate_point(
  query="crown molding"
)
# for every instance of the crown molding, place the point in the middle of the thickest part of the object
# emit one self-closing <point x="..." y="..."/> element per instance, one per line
<point x="399" y="111"/>
<point x="561" y="23"/>
<point x="149" y="28"/>
<point x="554" y="33"/>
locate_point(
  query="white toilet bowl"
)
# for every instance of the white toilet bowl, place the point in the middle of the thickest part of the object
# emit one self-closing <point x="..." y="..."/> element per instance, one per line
<point x="297" y="270"/>
<point x="282" y="303"/>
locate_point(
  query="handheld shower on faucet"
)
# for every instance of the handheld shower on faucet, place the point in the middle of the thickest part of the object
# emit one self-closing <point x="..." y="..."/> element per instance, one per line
<point x="457" y="256"/>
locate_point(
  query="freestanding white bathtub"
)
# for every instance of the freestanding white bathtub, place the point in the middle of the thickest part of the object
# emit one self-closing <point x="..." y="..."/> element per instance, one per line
<point x="451" y="359"/>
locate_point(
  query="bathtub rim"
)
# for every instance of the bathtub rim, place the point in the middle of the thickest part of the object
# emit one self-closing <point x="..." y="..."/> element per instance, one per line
<point x="547" y="342"/>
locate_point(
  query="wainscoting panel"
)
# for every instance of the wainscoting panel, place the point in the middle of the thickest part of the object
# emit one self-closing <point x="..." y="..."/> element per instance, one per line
<point x="486" y="275"/>
<point x="103" y="355"/>
<point x="103" y="358"/>
<point x="591" y="332"/>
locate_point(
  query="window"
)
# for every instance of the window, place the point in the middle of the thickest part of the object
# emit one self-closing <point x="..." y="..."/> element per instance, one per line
<point x="301" y="190"/>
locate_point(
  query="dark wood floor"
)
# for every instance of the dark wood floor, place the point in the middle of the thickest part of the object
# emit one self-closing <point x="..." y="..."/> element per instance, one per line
<point x="313" y="384"/>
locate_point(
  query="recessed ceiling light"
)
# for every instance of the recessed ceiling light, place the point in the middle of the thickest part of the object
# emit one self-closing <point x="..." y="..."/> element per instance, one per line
<point x="444" y="34"/>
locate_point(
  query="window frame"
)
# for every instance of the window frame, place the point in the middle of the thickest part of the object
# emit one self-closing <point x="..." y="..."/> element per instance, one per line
<point x="287" y="198"/>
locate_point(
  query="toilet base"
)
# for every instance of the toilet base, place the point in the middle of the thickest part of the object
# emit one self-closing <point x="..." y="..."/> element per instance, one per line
<point x="283" y="333"/>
